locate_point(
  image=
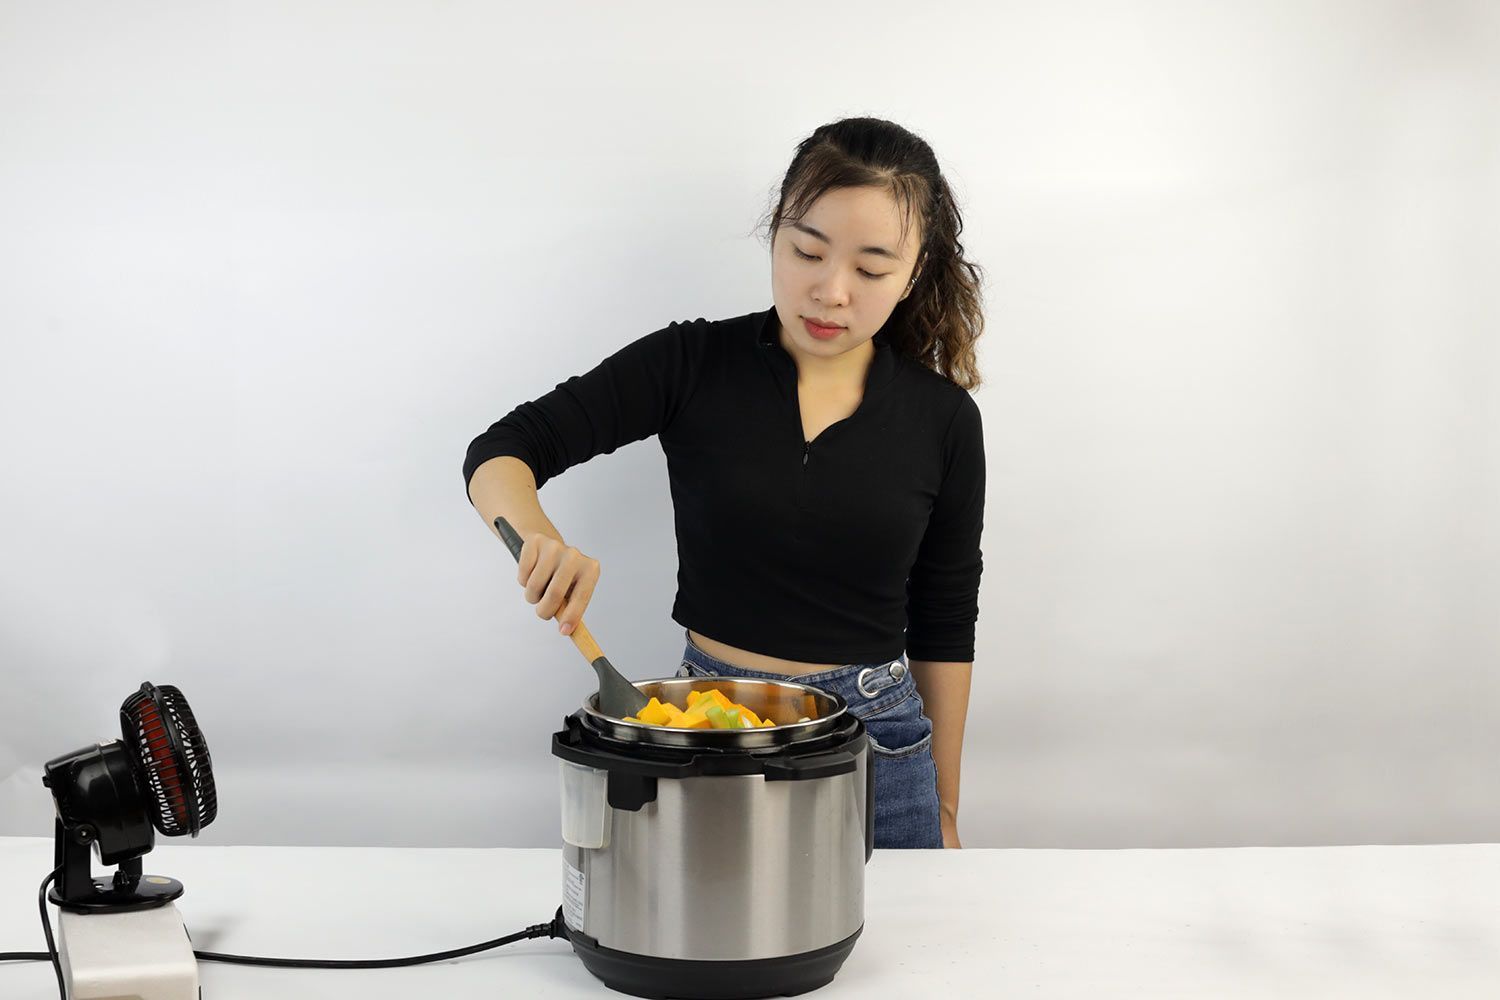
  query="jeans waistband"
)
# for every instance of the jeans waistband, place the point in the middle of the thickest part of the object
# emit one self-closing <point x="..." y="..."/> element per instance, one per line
<point x="860" y="684"/>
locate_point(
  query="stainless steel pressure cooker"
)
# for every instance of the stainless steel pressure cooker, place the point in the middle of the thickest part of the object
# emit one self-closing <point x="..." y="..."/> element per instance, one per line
<point x="716" y="863"/>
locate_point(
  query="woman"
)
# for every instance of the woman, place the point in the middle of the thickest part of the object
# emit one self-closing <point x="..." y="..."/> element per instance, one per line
<point x="826" y="465"/>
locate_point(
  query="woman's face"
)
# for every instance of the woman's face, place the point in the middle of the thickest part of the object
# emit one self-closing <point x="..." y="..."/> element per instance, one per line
<point x="842" y="264"/>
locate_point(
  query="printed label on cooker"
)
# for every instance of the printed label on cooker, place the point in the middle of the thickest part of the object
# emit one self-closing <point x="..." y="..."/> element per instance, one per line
<point x="573" y="891"/>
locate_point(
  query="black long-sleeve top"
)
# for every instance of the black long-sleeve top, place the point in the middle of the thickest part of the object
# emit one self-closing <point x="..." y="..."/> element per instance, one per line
<point x="820" y="551"/>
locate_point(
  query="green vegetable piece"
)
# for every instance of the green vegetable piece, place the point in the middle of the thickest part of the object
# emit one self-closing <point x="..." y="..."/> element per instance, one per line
<point x="717" y="717"/>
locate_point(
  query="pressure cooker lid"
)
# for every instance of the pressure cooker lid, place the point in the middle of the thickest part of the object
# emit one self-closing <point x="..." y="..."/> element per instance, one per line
<point x="785" y="703"/>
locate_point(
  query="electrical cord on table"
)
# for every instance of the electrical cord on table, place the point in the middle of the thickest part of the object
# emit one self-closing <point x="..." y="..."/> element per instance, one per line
<point x="553" y="928"/>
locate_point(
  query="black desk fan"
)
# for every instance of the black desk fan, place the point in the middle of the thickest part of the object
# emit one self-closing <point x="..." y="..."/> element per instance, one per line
<point x="125" y="938"/>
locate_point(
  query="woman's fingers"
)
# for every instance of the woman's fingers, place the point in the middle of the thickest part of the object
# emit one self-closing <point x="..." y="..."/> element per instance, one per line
<point x="559" y="579"/>
<point x="578" y="599"/>
<point x="526" y="561"/>
<point x="538" y="565"/>
<point x="557" y="590"/>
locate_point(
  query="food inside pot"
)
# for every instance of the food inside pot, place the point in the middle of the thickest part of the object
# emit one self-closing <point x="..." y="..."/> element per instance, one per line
<point x="709" y="709"/>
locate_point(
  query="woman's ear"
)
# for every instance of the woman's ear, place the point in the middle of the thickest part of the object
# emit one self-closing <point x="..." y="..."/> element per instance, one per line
<point x="913" y="282"/>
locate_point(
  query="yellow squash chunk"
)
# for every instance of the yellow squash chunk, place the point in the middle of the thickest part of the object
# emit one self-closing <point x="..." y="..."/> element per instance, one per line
<point x="697" y="712"/>
<point x="654" y="713"/>
<point x="687" y="720"/>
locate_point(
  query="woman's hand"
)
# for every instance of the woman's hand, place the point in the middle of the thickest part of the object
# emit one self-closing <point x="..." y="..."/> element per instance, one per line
<point x="950" y="831"/>
<point x="558" y="579"/>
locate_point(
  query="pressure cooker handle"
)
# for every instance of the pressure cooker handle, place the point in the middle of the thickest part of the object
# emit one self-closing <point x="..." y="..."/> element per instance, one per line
<point x="819" y="765"/>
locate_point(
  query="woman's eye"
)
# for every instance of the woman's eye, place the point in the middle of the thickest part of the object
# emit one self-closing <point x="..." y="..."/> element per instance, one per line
<point x="804" y="256"/>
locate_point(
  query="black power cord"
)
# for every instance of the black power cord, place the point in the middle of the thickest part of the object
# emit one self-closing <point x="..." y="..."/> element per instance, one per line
<point x="554" y="928"/>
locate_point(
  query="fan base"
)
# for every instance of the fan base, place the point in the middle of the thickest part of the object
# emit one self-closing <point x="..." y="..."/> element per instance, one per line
<point x="143" y="954"/>
<point x="125" y="893"/>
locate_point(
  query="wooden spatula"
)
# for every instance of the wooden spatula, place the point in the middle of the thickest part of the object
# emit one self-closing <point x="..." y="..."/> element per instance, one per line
<point x="617" y="696"/>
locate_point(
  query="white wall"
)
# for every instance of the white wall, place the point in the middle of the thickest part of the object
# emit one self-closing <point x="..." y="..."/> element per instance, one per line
<point x="266" y="269"/>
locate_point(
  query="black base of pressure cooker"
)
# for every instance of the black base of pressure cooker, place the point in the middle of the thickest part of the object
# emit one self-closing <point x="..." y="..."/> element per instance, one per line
<point x="695" y="979"/>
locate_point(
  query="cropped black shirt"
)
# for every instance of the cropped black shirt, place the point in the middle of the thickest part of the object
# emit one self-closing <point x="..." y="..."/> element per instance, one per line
<point x="824" y="551"/>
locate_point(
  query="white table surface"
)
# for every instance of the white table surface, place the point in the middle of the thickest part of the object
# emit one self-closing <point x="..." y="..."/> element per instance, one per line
<point x="1211" y="924"/>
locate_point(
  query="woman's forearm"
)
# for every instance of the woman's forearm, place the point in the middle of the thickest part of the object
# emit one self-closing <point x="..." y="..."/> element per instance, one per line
<point x="506" y="486"/>
<point x="944" y="688"/>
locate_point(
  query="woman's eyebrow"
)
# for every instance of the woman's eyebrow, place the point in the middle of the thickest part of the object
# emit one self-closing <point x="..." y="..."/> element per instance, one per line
<point x="809" y="230"/>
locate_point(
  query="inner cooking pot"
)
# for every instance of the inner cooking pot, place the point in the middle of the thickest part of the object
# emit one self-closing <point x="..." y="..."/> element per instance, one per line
<point x="783" y="702"/>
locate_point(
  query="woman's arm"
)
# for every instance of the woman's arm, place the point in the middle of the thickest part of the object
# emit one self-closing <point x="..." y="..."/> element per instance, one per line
<point x="942" y="603"/>
<point x="944" y="688"/>
<point x="507" y="486"/>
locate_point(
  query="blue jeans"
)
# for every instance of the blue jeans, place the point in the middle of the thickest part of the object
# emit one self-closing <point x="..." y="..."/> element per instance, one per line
<point x="884" y="696"/>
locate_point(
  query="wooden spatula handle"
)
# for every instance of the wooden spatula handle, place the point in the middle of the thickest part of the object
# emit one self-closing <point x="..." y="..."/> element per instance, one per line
<point x="585" y="642"/>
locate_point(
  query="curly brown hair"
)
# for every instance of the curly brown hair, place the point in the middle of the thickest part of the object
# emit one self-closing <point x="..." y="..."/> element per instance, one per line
<point x="937" y="324"/>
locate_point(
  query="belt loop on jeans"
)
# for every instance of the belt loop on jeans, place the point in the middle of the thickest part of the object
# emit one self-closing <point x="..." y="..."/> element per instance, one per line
<point x="895" y="670"/>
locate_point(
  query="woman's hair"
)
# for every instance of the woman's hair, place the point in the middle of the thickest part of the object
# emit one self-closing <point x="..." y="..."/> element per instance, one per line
<point x="938" y="323"/>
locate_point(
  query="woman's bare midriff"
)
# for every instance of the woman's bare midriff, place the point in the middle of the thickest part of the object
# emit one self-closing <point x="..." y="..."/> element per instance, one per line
<point x="746" y="660"/>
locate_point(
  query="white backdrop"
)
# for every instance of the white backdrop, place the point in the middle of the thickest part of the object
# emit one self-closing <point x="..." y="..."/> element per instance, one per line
<point x="266" y="269"/>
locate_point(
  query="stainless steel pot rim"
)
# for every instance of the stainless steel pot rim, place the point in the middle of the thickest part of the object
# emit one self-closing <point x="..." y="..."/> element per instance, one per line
<point x="832" y="709"/>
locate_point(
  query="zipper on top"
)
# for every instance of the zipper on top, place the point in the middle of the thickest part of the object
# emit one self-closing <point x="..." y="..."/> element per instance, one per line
<point x="806" y="448"/>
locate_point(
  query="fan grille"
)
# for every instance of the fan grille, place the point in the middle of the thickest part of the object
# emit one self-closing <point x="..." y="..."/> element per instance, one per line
<point x="159" y="727"/>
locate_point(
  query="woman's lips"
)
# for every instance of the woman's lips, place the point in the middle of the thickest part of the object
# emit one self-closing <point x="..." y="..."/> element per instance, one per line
<point x="821" y="332"/>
